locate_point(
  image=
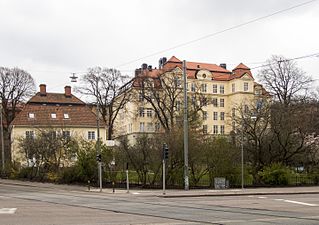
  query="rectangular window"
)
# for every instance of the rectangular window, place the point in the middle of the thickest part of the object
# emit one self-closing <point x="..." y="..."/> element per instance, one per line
<point x="246" y="109"/>
<point x="66" y="134"/>
<point x="204" y="129"/>
<point x="222" y="102"/>
<point x="149" y="112"/>
<point x="150" y="127"/>
<point x="193" y="88"/>
<point x="245" y="86"/>
<point x="142" y="125"/>
<point x="214" y="88"/>
<point x="31" y="115"/>
<point x="178" y="105"/>
<point x="140" y="97"/>
<point x="91" y="135"/>
<point x="203" y="101"/>
<point x="193" y="100"/>
<point x="157" y="126"/>
<point x="215" y="129"/>
<point x="215" y="102"/>
<point x="66" y="116"/>
<point x="29" y="134"/>
<point x="53" y="115"/>
<point x="141" y="112"/>
<point x="204" y="87"/>
<point x="233" y="87"/>
<point x="53" y="134"/>
<point x="205" y="115"/>
<point x="222" y="115"/>
<point x="215" y="116"/>
<point x="222" y="129"/>
<point x="233" y="112"/>
<point x="221" y="89"/>
<point x="178" y="82"/>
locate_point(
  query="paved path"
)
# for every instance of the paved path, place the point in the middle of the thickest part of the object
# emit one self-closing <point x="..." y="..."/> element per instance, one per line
<point x="48" y="204"/>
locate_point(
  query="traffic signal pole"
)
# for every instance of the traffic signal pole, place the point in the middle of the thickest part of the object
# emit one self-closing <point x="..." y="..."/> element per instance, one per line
<point x="164" y="177"/>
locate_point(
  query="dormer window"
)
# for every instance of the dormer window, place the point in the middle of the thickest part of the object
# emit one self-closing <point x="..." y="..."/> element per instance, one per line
<point x="31" y="115"/>
<point x="53" y="115"/>
<point x="66" y="116"/>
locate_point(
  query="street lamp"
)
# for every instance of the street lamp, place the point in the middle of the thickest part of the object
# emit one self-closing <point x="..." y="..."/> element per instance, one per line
<point x="98" y="145"/>
<point x="242" y="150"/>
<point x="2" y="140"/>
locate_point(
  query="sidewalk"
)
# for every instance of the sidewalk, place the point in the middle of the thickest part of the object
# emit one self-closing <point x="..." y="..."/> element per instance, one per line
<point x="170" y="193"/>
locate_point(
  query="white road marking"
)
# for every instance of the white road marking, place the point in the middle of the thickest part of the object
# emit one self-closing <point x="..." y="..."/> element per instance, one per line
<point x="279" y="199"/>
<point x="300" y="203"/>
<point x="8" y="210"/>
<point x="262" y="197"/>
<point x="135" y="193"/>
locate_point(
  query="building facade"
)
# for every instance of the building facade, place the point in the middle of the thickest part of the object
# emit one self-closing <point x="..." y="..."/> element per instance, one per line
<point x="225" y="92"/>
<point x="57" y="112"/>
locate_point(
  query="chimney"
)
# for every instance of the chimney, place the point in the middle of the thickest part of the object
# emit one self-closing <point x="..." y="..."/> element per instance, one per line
<point x="43" y="90"/>
<point x="223" y="65"/>
<point x="67" y="91"/>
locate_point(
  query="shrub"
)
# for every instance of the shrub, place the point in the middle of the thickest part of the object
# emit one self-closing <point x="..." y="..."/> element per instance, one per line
<point x="276" y="174"/>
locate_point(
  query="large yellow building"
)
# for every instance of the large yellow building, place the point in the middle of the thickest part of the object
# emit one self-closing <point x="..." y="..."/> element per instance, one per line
<point x="224" y="90"/>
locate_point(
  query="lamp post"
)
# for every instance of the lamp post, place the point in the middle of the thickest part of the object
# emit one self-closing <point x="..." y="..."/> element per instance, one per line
<point x="98" y="145"/>
<point x="242" y="151"/>
<point x="2" y="139"/>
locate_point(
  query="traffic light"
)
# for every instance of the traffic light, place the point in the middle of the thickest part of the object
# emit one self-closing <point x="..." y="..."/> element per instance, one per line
<point x="98" y="157"/>
<point x="165" y="152"/>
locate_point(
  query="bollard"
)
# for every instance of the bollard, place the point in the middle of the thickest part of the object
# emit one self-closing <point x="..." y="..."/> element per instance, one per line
<point x="89" y="185"/>
<point x="113" y="187"/>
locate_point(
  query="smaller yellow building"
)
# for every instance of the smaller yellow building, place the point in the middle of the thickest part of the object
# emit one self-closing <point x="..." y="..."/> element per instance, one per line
<point x="58" y="112"/>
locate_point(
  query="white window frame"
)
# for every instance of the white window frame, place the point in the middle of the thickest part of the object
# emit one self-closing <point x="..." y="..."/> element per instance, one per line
<point x="53" y="115"/>
<point x="215" y="116"/>
<point x="222" y="102"/>
<point x="31" y="115"/>
<point x="221" y="89"/>
<point x="91" y="135"/>
<point x="215" y="88"/>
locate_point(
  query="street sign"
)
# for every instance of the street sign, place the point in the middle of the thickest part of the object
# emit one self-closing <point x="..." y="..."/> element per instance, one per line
<point x="109" y="143"/>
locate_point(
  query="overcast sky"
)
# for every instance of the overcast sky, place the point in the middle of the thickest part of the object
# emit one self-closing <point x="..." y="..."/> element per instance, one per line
<point x="52" y="38"/>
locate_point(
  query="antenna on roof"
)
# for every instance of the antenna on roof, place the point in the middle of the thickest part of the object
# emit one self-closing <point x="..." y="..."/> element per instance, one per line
<point x="73" y="77"/>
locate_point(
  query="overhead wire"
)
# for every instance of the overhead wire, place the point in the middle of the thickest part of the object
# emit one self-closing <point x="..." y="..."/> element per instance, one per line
<point x="216" y="33"/>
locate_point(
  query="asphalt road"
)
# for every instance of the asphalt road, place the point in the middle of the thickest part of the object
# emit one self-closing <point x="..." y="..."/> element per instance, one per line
<point x="36" y="205"/>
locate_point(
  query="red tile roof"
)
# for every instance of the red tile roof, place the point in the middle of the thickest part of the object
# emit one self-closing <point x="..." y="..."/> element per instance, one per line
<point x="57" y="98"/>
<point x="219" y="73"/>
<point x="80" y="115"/>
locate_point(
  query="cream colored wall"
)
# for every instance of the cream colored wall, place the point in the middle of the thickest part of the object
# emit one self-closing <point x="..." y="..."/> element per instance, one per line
<point x="232" y="100"/>
<point x="20" y="132"/>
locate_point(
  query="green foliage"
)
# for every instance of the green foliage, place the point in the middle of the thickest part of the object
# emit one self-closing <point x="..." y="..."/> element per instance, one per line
<point x="276" y="174"/>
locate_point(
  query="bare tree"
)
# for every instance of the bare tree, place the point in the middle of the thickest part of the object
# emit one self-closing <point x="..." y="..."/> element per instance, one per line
<point x="109" y="88"/>
<point x="284" y="80"/>
<point x="16" y="86"/>
<point x="164" y="93"/>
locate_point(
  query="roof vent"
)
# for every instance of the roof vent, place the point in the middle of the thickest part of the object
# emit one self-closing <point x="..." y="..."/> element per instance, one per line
<point x="223" y="65"/>
<point x="144" y="66"/>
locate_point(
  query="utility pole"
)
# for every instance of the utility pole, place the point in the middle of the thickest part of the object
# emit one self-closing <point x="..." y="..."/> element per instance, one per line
<point x="242" y="154"/>
<point x="98" y="146"/>
<point x="186" y="180"/>
<point x="2" y="140"/>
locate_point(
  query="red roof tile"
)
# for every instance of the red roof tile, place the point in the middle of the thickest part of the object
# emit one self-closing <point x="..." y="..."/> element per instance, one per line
<point x="79" y="116"/>
<point x="241" y="66"/>
<point x="55" y="98"/>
